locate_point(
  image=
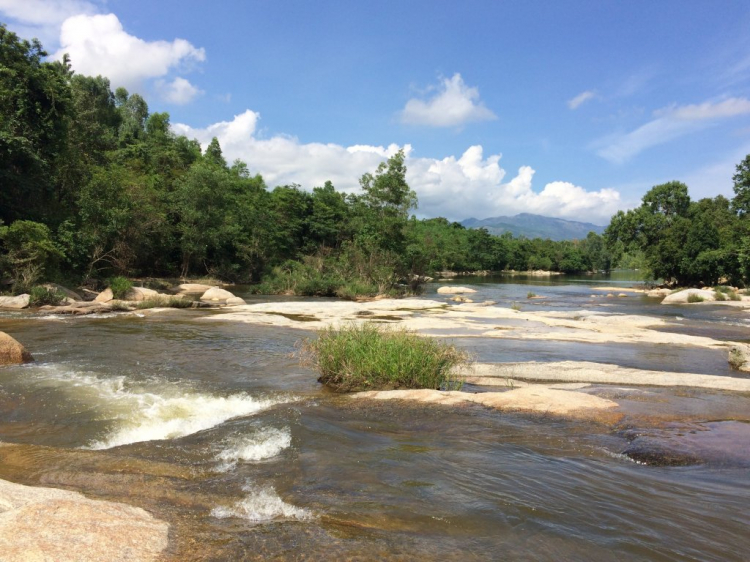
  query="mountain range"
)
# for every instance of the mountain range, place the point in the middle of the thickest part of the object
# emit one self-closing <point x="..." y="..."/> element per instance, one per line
<point x="535" y="226"/>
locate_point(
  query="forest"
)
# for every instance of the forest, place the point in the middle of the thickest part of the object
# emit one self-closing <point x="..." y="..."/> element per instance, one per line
<point x="93" y="185"/>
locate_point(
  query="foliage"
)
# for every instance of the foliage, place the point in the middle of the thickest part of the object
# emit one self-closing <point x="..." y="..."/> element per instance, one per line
<point x="736" y="359"/>
<point x="373" y="357"/>
<point x="530" y="295"/>
<point x="41" y="296"/>
<point x="27" y="252"/>
<point x="120" y="287"/>
<point x="693" y="298"/>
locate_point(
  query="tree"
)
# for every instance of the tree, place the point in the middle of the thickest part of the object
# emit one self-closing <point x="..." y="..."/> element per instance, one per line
<point x="741" y="201"/>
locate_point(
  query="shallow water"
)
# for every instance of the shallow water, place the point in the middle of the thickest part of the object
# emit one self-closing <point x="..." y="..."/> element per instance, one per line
<point x="215" y="428"/>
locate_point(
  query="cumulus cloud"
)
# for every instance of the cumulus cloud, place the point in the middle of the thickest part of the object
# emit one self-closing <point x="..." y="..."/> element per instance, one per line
<point x="179" y="91"/>
<point x="453" y="105"/>
<point x="453" y="187"/>
<point x="669" y="123"/>
<point x="98" y="44"/>
<point x="43" y="18"/>
<point x="580" y="99"/>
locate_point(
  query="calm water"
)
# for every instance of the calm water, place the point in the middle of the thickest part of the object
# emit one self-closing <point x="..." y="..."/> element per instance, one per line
<point x="214" y="427"/>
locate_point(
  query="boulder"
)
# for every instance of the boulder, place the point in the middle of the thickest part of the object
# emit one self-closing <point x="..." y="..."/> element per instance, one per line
<point x="192" y="289"/>
<point x="140" y="294"/>
<point x="12" y="352"/>
<point x="17" y="303"/>
<point x="72" y="295"/>
<point x="454" y="290"/>
<point x="105" y="296"/>
<point x="51" y="524"/>
<point x="217" y="295"/>
<point x="681" y="297"/>
<point x="460" y="299"/>
<point x="739" y="357"/>
<point x="235" y="301"/>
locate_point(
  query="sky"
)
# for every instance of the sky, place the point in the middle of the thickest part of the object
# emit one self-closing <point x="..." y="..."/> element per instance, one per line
<point x="570" y="109"/>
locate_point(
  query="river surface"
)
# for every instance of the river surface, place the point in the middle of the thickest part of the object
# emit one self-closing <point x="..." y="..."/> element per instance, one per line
<point x="215" y="428"/>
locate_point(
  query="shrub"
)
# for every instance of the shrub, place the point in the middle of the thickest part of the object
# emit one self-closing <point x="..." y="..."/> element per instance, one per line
<point x="120" y="287"/>
<point x="530" y="295"/>
<point x="719" y="296"/>
<point x="736" y="358"/>
<point x="695" y="298"/>
<point x="515" y="306"/>
<point x="41" y="296"/>
<point x="356" y="288"/>
<point x="373" y="357"/>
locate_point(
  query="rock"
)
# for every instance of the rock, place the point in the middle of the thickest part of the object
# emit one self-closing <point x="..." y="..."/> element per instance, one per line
<point x="12" y="353"/>
<point x="454" y="290"/>
<point x="105" y="296"/>
<point x="17" y="303"/>
<point x="487" y="303"/>
<point x="446" y="273"/>
<point x="192" y="289"/>
<point x="658" y="293"/>
<point x="41" y="524"/>
<point x="139" y="294"/>
<point x="460" y="299"/>
<point x="217" y="296"/>
<point x="681" y="297"/>
<point x="621" y="295"/>
<point x="88" y="294"/>
<point x="610" y="295"/>
<point x="235" y="301"/>
<point x="80" y="308"/>
<point x="533" y="398"/>
<point x="739" y="357"/>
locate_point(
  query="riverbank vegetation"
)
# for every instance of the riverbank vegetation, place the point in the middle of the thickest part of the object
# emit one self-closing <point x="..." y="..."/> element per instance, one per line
<point x="375" y="357"/>
<point x="94" y="186"/>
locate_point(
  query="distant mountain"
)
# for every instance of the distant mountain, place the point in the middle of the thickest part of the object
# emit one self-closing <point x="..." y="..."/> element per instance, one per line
<point x="535" y="226"/>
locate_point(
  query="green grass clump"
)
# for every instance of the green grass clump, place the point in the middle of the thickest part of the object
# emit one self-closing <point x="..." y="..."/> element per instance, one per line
<point x="530" y="295"/>
<point x="375" y="357"/>
<point x="719" y="296"/>
<point x="736" y="358"/>
<point x="120" y="287"/>
<point x="164" y="302"/>
<point x="695" y="298"/>
<point x="515" y="306"/>
<point x="41" y="296"/>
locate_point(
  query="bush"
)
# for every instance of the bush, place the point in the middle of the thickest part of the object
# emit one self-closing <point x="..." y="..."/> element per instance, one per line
<point x="120" y="287"/>
<point x="719" y="296"/>
<point x="41" y="296"/>
<point x="695" y="298"/>
<point x="372" y="357"/>
<point x="736" y="359"/>
<point x="530" y="295"/>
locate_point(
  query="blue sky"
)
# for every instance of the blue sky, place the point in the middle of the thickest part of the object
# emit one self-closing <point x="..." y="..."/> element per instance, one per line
<point x="568" y="109"/>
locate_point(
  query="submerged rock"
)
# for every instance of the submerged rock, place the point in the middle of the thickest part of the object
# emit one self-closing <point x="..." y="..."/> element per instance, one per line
<point x="17" y="303"/>
<point x="52" y="524"/>
<point x="12" y="352"/>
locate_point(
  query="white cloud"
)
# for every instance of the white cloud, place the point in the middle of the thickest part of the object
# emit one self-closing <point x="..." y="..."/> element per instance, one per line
<point x="453" y="187"/>
<point x="43" y="18"/>
<point x="580" y="99"/>
<point x="179" y="91"/>
<point x="670" y="123"/>
<point x="454" y="105"/>
<point x="98" y="44"/>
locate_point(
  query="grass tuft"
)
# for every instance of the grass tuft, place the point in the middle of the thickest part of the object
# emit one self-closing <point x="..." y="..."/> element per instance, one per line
<point x="530" y="295"/>
<point x="736" y="358"/>
<point x="376" y="357"/>
<point x="695" y="298"/>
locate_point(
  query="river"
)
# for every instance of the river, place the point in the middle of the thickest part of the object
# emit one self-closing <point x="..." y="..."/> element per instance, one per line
<point x="215" y="428"/>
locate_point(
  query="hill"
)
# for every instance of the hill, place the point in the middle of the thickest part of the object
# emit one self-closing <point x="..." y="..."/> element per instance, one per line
<point x="535" y="226"/>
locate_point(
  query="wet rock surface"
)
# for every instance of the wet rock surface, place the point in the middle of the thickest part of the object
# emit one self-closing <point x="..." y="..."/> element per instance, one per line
<point x="12" y="352"/>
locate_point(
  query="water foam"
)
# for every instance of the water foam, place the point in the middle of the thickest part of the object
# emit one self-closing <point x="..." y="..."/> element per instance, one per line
<point x="262" y="505"/>
<point x="152" y="409"/>
<point x="261" y="445"/>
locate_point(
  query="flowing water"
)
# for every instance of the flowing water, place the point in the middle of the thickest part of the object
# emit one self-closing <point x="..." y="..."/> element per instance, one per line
<point x="215" y="428"/>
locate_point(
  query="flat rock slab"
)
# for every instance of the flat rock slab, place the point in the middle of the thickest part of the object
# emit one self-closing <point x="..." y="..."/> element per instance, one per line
<point x="535" y="398"/>
<point x="488" y="374"/>
<point x="47" y="524"/>
<point x="454" y="290"/>
<point x="12" y="352"/>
